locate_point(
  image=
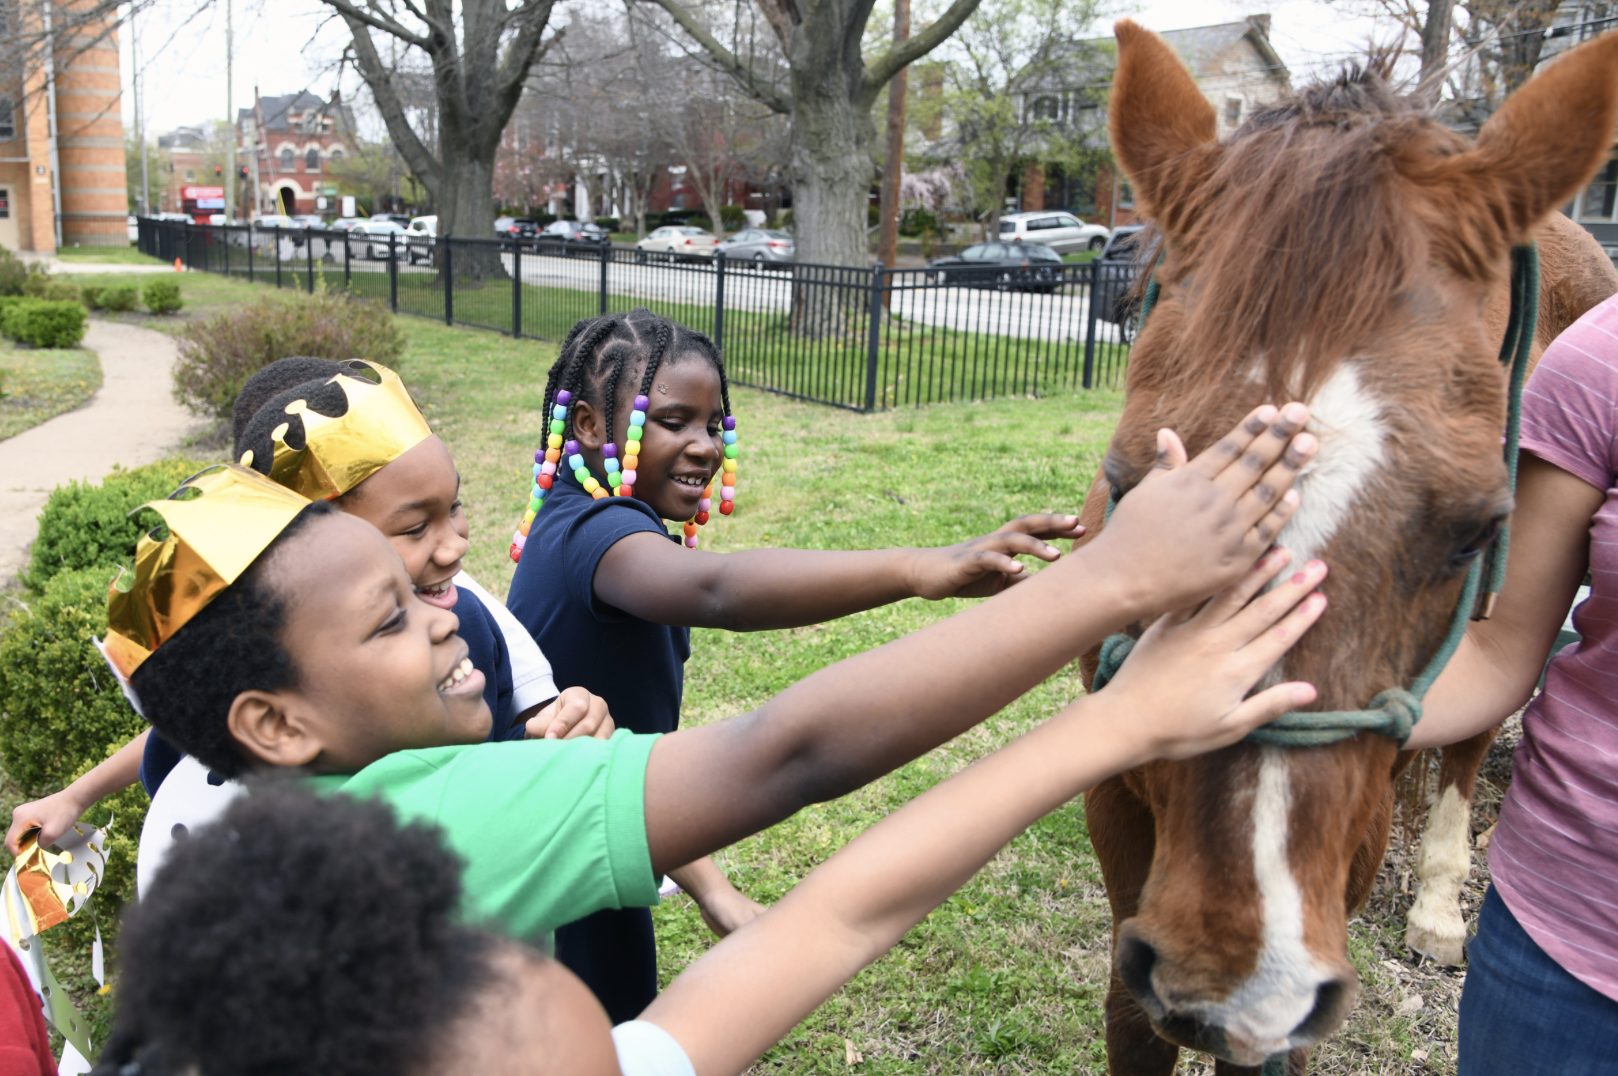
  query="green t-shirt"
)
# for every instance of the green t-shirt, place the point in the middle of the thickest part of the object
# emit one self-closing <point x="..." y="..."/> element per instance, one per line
<point x="549" y="830"/>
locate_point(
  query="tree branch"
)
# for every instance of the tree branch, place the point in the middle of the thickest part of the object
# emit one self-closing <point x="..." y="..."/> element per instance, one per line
<point x="419" y="158"/>
<point x="726" y="60"/>
<point x="392" y="27"/>
<point x="902" y="55"/>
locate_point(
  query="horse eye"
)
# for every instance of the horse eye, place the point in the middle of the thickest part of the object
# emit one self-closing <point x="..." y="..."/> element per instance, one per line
<point x="1475" y="545"/>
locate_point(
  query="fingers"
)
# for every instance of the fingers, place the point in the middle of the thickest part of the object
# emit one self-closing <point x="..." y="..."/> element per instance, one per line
<point x="20" y="824"/>
<point x="1170" y="451"/>
<point x="1265" y="503"/>
<point x="1228" y="449"/>
<point x="1045" y="525"/>
<point x="1268" y="705"/>
<point x="1233" y="599"/>
<point x="1279" y="618"/>
<point x="1268" y="465"/>
<point x="1016" y="543"/>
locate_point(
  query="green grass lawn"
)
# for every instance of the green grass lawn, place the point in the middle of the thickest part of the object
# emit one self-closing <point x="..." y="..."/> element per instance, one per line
<point x="41" y="384"/>
<point x="104" y="255"/>
<point x="1009" y="975"/>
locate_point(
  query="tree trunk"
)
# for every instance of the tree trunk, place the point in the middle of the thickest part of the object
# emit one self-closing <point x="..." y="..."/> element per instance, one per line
<point x="1435" y="34"/>
<point x="832" y="174"/>
<point x="466" y="201"/>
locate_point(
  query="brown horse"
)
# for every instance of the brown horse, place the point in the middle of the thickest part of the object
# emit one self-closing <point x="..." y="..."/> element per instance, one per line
<point x="1345" y="249"/>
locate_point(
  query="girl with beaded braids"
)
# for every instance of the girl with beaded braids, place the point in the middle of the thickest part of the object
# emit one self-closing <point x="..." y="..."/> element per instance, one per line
<point x="348" y="432"/>
<point x="639" y="431"/>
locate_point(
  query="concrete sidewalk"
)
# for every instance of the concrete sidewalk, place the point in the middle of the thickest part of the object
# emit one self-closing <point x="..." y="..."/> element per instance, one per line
<point x="131" y="420"/>
<point x="56" y="266"/>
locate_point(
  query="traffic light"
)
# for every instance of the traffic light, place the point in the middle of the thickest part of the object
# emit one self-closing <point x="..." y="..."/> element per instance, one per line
<point x="241" y="172"/>
<point x="218" y="170"/>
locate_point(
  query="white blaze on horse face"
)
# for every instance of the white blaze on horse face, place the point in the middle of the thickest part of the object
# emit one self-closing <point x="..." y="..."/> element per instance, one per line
<point x="1259" y="1016"/>
<point x="1348" y="421"/>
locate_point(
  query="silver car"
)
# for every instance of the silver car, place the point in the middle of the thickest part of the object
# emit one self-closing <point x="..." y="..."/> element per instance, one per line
<point x="1062" y="232"/>
<point x="758" y="245"/>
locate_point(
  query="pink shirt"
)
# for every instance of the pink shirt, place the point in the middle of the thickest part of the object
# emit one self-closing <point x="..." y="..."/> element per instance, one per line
<point x="1554" y="856"/>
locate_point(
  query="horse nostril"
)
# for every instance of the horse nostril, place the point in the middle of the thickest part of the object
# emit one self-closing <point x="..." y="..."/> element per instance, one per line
<point x="1136" y="959"/>
<point x="1332" y="1001"/>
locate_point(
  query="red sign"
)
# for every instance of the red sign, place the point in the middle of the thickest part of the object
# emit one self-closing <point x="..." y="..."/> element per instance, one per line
<point x="194" y="194"/>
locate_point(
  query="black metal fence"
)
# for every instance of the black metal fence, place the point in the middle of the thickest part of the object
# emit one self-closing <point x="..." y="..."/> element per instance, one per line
<point x="865" y="339"/>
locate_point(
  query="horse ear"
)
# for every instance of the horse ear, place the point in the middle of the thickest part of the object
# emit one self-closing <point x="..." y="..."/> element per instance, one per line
<point x="1531" y="156"/>
<point x="1159" y="122"/>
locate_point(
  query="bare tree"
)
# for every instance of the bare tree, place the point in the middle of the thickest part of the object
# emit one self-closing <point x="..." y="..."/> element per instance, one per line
<point x="480" y="53"/>
<point x="828" y="91"/>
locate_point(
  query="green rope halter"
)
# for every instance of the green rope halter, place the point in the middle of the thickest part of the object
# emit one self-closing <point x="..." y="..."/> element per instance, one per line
<point x="1395" y="711"/>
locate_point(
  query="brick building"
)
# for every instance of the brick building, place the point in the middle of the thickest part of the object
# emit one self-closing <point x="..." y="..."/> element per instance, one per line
<point x="61" y="130"/>
<point x="293" y="140"/>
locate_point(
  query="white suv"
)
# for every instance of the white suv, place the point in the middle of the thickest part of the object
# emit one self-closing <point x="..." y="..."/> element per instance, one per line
<point x="1060" y="231"/>
<point x="420" y="239"/>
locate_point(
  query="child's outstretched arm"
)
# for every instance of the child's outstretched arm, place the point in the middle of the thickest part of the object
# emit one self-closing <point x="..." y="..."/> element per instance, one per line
<point x="56" y="813"/>
<point x="854" y="721"/>
<point x="1180" y="693"/>
<point x="758" y="589"/>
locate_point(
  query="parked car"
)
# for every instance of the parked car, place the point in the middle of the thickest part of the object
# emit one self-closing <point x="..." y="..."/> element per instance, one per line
<point x="309" y="220"/>
<point x="422" y="235"/>
<point x="134" y="229"/>
<point x="1060" y="231"/>
<point x="502" y="227"/>
<point x="572" y="237"/>
<point x="759" y="245"/>
<point x="369" y="239"/>
<point x="401" y="219"/>
<point x="1020" y="266"/>
<point x="275" y="220"/>
<point x="519" y="231"/>
<point x="1119" y="268"/>
<point x="344" y="224"/>
<point x="677" y="241"/>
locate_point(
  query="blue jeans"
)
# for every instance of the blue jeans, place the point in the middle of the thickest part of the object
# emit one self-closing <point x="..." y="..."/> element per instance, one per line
<point x="1522" y="1015"/>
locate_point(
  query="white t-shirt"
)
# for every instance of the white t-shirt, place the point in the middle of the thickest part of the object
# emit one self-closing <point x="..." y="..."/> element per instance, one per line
<point x="531" y="679"/>
<point x="644" y="1049"/>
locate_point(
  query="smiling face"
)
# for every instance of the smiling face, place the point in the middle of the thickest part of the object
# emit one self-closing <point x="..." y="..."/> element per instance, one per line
<point x="379" y="669"/>
<point x="415" y="501"/>
<point x="682" y="445"/>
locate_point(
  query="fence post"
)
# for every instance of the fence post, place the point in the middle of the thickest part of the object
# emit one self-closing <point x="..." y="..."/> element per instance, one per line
<point x="719" y="302"/>
<point x="250" y="245"/>
<point x="449" y="282"/>
<point x="874" y="343"/>
<point x="309" y="257"/>
<point x="1090" y="325"/>
<point x="601" y="287"/>
<point x="393" y="277"/>
<point x="348" y="259"/>
<point x="226" y="231"/>
<point x="516" y="290"/>
<point x="275" y="242"/>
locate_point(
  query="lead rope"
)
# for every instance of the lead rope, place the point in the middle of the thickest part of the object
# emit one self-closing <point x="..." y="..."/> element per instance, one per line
<point x="1395" y="711"/>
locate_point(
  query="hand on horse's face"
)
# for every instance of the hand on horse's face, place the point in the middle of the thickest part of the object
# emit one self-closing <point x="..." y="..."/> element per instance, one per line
<point x="1183" y="689"/>
<point x="1191" y="528"/>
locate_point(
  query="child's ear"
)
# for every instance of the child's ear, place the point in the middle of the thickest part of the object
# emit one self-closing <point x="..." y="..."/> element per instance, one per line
<point x="269" y="726"/>
<point x="588" y="428"/>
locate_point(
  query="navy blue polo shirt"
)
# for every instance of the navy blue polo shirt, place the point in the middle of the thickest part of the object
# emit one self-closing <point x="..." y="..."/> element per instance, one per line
<point x="636" y="665"/>
<point x="486" y="646"/>
<point x="487" y="649"/>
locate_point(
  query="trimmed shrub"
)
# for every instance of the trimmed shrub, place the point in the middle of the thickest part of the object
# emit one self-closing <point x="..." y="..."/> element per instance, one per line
<point x="38" y="279"/>
<point x="733" y="217"/>
<point x="62" y="291"/>
<point x="44" y="323"/>
<point x="607" y="224"/>
<point x="121" y="297"/>
<point x="61" y="712"/>
<point x="918" y="221"/>
<point x="87" y="525"/>
<point x="162" y="295"/>
<point x="13" y="273"/>
<point x="90" y="296"/>
<point x="217" y="356"/>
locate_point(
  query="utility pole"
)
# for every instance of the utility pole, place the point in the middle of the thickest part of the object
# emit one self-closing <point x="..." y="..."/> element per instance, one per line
<point x="145" y="200"/>
<point x="230" y="114"/>
<point x="252" y="157"/>
<point x="888" y="204"/>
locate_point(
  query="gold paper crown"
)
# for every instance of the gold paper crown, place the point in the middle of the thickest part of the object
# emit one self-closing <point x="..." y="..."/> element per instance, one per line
<point x="381" y="424"/>
<point x="214" y="526"/>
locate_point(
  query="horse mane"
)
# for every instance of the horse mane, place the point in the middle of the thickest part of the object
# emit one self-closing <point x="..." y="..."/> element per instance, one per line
<point x="1298" y="241"/>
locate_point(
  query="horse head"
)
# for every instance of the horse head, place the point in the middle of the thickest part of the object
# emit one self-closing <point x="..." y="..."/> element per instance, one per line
<point x="1344" y="248"/>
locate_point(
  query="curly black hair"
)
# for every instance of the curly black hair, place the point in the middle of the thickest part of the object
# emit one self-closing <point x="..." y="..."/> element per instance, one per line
<point x="297" y="934"/>
<point x="233" y="645"/>
<point x="272" y="380"/>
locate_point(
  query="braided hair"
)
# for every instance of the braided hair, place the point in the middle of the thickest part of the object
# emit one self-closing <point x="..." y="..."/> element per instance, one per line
<point x="273" y="380"/>
<point x="595" y="357"/>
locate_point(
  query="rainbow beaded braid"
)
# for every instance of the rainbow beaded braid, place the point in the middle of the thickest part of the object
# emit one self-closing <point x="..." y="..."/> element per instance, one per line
<point x="620" y="477"/>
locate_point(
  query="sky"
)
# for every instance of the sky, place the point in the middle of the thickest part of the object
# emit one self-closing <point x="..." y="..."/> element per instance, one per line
<point x="283" y="46"/>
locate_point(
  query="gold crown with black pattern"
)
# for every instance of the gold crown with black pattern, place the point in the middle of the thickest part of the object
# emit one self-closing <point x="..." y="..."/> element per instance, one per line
<point x="339" y="452"/>
<point x="214" y="526"/>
